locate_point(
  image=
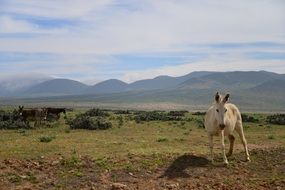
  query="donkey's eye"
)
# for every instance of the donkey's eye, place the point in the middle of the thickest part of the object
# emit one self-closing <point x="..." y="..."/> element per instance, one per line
<point x="226" y="110"/>
<point x="217" y="110"/>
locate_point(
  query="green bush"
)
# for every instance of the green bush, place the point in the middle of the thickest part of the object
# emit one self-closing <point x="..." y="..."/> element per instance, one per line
<point x="96" y="112"/>
<point x="199" y="113"/>
<point x="12" y="120"/>
<point x="162" y="139"/>
<point x="278" y="119"/>
<point x="122" y="112"/>
<point x="247" y="118"/>
<point x="91" y="123"/>
<point x="151" y="116"/>
<point x="120" y="121"/>
<point x="46" y="139"/>
<point x="178" y="113"/>
<point x="159" y="116"/>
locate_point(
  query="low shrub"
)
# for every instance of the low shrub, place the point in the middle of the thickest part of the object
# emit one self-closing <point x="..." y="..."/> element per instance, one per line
<point x="178" y="113"/>
<point x="199" y="113"/>
<point x="96" y="112"/>
<point x="122" y="112"/>
<point x="46" y="139"/>
<point x="120" y="121"/>
<point x="278" y="119"/>
<point x="151" y="116"/>
<point x="247" y="118"/>
<point x="91" y="123"/>
<point x="271" y="137"/>
<point x="162" y="139"/>
<point x="12" y="120"/>
<point x="159" y="116"/>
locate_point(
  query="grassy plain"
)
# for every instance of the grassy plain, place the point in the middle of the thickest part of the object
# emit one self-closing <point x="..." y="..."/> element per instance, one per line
<point x="129" y="149"/>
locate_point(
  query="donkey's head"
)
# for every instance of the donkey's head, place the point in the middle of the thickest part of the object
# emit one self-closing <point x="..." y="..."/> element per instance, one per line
<point x="220" y="109"/>
<point x="20" y="110"/>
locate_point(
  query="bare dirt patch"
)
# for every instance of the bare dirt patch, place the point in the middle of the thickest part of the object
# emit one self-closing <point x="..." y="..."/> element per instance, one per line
<point x="266" y="171"/>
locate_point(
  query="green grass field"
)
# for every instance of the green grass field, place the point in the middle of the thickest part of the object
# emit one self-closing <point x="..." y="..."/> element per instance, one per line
<point x="151" y="142"/>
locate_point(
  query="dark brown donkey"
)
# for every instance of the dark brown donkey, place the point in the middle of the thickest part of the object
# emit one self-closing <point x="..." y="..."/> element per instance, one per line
<point x="55" y="112"/>
<point x="33" y="114"/>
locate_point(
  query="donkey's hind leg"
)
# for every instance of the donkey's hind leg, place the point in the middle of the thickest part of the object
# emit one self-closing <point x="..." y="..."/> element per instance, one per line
<point x="232" y="141"/>
<point x="239" y="129"/>
<point x="211" y="145"/>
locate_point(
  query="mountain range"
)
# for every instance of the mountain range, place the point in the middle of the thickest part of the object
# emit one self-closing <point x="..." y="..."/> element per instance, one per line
<point x="253" y="89"/>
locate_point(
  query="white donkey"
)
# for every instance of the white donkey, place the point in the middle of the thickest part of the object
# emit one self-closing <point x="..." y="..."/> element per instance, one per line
<point x="222" y="119"/>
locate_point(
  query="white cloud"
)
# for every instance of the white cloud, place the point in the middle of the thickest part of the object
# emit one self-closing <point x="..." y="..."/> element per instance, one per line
<point x="112" y="27"/>
<point x="9" y="25"/>
<point x="151" y="26"/>
<point x="62" y="9"/>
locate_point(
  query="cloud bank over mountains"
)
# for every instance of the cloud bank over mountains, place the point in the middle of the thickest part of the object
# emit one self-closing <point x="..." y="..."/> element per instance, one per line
<point x="131" y="40"/>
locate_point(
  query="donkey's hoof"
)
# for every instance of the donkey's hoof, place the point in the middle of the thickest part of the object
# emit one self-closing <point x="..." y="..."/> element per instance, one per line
<point x="248" y="159"/>
<point x="226" y="163"/>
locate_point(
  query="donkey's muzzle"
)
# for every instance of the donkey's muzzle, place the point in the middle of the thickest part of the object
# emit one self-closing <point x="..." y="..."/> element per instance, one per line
<point x="222" y="126"/>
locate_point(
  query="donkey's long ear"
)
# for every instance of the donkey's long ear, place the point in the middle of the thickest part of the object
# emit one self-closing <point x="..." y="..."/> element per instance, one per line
<point x="226" y="98"/>
<point x="217" y="97"/>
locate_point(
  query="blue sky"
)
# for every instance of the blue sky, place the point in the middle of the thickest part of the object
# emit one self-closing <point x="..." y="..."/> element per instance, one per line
<point x="91" y="40"/>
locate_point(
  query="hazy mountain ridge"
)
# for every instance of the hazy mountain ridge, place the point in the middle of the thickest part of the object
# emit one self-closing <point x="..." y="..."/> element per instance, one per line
<point x="56" y="87"/>
<point x="17" y="84"/>
<point x="253" y="90"/>
<point x="107" y="86"/>
<point x="237" y="80"/>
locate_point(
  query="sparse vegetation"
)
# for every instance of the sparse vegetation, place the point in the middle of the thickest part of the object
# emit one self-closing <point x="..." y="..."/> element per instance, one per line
<point x="162" y="139"/>
<point x="271" y="137"/>
<point x="138" y="151"/>
<point x="46" y="139"/>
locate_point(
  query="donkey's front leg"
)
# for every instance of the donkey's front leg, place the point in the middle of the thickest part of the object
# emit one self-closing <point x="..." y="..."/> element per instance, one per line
<point x="223" y="147"/>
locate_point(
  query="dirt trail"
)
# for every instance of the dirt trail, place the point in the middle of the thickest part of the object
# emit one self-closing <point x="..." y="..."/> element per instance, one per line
<point x="266" y="171"/>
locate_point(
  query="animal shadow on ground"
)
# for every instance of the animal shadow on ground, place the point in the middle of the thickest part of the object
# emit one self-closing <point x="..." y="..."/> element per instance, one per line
<point x="180" y="164"/>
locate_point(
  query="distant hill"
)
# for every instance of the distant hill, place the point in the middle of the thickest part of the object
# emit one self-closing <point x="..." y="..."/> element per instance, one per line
<point x="231" y="80"/>
<point x="159" y="82"/>
<point x="57" y="87"/>
<point x="164" y="82"/>
<point x="108" y="86"/>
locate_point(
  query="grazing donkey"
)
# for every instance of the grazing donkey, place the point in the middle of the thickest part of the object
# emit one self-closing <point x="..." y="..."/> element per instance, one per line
<point x="55" y="112"/>
<point x="36" y="114"/>
<point x="222" y="119"/>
